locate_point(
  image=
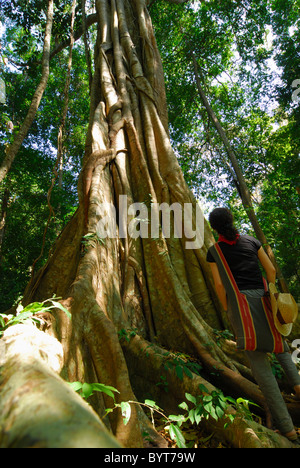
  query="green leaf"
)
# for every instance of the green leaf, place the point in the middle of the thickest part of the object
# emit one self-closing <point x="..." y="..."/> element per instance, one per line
<point x="203" y="389"/>
<point x="152" y="404"/>
<point x="61" y="307"/>
<point x="75" y="385"/>
<point x="179" y="418"/>
<point x="212" y="413"/>
<point x="32" y="308"/>
<point x="191" y="398"/>
<point x="207" y="398"/>
<point x="177" y="436"/>
<point x="179" y="372"/>
<point x="230" y="399"/>
<point x="87" y="390"/>
<point x="105" y="389"/>
<point x="198" y="417"/>
<point x="219" y="412"/>
<point x="208" y="406"/>
<point x="183" y="406"/>
<point x="191" y="415"/>
<point x="188" y="372"/>
<point x="2" y="323"/>
<point x="126" y="411"/>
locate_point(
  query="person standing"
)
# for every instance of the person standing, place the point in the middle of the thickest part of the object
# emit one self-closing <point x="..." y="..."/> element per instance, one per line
<point x="235" y="264"/>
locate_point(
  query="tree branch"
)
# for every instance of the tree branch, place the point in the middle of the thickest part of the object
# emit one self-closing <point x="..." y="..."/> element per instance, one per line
<point x="91" y="19"/>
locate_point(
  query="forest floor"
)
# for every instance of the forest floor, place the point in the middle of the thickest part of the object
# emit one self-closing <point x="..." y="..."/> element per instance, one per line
<point x="195" y="436"/>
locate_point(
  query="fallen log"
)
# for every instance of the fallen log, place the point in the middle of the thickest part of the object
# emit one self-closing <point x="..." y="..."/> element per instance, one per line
<point x="37" y="408"/>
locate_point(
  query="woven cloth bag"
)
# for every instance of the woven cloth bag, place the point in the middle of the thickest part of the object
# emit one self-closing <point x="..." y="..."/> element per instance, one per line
<point x="251" y="317"/>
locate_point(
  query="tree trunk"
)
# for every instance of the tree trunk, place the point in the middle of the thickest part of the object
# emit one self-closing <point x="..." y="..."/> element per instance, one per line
<point x="5" y="203"/>
<point x="154" y="290"/>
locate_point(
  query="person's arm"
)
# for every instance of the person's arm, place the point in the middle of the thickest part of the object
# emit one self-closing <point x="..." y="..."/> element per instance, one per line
<point x="219" y="285"/>
<point x="267" y="265"/>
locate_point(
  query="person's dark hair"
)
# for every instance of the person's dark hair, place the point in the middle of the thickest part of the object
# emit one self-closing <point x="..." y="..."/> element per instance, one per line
<point x="221" y="220"/>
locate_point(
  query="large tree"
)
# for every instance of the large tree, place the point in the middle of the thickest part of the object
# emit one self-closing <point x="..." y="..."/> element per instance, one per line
<point x="155" y="291"/>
